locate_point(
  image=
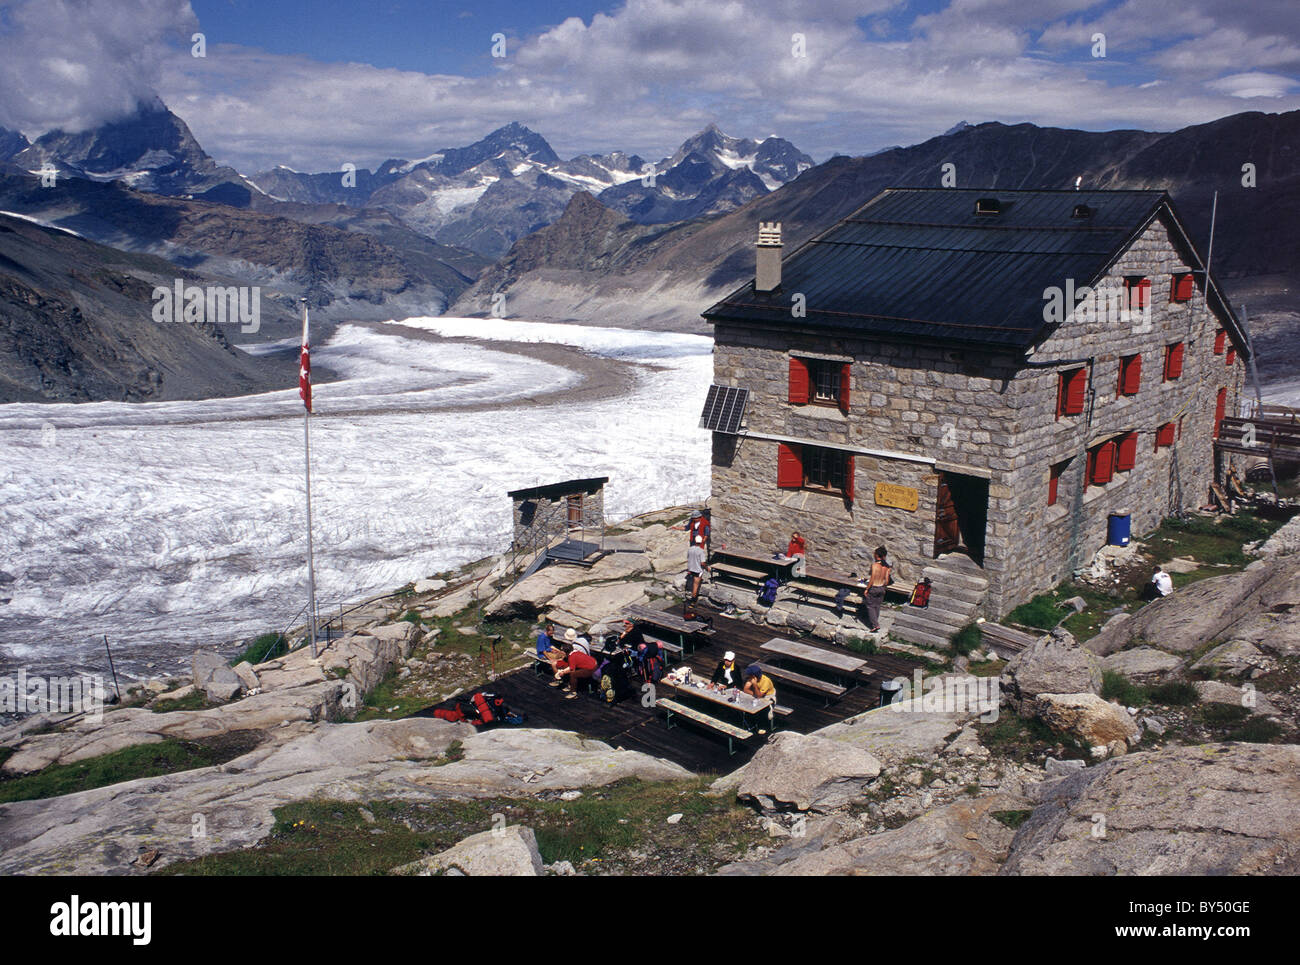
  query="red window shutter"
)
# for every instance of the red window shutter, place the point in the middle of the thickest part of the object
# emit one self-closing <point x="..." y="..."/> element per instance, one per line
<point x="1165" y="435"/>
<point x="1075" y="391"/>
<point x="1183" y="288"/>
<point x="844" y="389"/>
<point x="1144" y="293"/>
<point x="848" y="477"/>
<point x="1127" y="457"/>
<point x="789" y="466"/>
<point x="1220" y="338"/>
<point x="1220" y="409"/>
<point x="1173" y="361"/>
<point x="1053" y="484"/>
<point x="799" y="382"/>
<point x="1232" y="356"/>
<point x="1130" y="374"/>
<point x="1103" y="464"/>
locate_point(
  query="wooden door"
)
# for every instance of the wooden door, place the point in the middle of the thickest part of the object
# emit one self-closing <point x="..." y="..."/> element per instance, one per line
<point x="947" y="528"/>
<point x="575" y="511"/>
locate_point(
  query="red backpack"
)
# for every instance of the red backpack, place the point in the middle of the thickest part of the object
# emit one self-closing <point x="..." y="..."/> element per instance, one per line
<point x="921" y="593"/>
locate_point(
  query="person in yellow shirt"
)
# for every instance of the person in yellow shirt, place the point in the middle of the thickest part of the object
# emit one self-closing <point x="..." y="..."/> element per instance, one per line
<point x="759" y="686"/>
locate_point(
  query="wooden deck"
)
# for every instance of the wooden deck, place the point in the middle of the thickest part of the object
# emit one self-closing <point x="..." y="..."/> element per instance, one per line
<point x="629" y="725"/>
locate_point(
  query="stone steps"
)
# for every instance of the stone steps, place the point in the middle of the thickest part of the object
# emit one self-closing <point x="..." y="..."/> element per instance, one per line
<point x="958" y="587"/>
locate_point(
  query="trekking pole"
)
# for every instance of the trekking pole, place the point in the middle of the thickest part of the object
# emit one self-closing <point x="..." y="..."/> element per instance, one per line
<point x="117" y="698"/>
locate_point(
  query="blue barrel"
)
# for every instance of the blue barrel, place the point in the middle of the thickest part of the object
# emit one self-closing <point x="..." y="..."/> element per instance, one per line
<point x="1120" y="529"/>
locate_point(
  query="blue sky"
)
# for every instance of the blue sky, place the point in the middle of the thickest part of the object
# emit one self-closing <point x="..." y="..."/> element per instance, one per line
<point x="316" y="84"/>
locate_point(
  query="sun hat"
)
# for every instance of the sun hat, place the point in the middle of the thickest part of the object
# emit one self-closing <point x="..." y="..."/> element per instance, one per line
<point x="753" y="670"/>
<point x="728" y="656"/>
<point x="570" y="635"/>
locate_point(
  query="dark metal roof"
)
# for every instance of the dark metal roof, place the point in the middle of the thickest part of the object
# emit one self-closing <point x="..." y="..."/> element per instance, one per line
<point x="921" y="263"/>
<point x="557" y="490"/>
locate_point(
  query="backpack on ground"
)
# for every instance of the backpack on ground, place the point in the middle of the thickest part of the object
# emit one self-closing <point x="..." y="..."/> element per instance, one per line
<point x="921" y="593"/>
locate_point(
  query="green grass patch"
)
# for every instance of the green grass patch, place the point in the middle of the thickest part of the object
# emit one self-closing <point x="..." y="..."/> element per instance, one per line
<point x="195" y="700"/>
<point x="5" y="754"/>
<point x="1022" y="740"/>
<point x="128" y="764"/>
<point x="266" y="647"/>
<point x="1041" y="613"/>
<point x="1115" y="686"/>
<point x="967" y="639"/>
<point x="1257" y="730"/>
<point x="863" y="645"/>
<point x="1012" y="819"/>
<point x="412" y="616"/>
<point x="617" y="829"/>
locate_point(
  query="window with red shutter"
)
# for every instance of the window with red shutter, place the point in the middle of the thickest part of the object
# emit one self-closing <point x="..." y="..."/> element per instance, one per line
<point x="844" y="389"/>
<point x="789" y="466"/>
<point x="1072" y="392"/>
<point x="1220" y="338"/>
<point x="1232" y="357"/>
<point x="1103" y="463"/>
<point x="1126" y="454"/>
<point x="1130" y="374"/>
<point x="1054" y="482"/>
<point x="1184" y="286"/>
<point x="799" y="390"/>
<point x="1220" y="409"/>
<point x="1165" y="435"/>
<point x="1173" y="361"/>
<point x="1139" y="292"/>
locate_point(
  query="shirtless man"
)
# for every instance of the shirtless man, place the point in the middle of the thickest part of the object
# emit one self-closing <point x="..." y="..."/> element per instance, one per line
<point x="875" y="595"/>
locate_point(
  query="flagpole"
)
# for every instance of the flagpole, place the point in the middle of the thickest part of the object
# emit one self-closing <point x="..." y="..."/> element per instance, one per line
<point x="306" y="438"/>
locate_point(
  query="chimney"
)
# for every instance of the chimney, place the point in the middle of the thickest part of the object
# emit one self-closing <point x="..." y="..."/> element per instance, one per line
<point x="767" y="273"/>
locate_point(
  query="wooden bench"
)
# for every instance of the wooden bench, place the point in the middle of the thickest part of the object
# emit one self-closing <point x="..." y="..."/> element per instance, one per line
<point x="732" y="732"/>
<point x="823" y="687"/>
<point x="668" y="620"/>
<point x="730" y="569"/>
<point x="840" y="580"/>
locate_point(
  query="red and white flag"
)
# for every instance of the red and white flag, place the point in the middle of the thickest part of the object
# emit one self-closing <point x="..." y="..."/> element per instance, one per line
<point x="304" y="365"/>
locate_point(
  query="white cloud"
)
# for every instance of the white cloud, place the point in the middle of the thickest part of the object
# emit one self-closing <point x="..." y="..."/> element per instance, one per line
<point x="75" y="64"/>
<point x="1254" y="84"/>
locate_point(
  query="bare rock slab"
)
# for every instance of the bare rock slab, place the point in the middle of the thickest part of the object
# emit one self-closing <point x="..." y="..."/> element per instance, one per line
<point x="1216" y="809"/>
<point x="1143" y="664"/>
<point x="1087" y="717"/>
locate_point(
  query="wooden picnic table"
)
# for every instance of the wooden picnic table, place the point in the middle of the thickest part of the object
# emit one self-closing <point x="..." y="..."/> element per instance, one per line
<point x="841" y="662"/>
<point x="745" y="704"/>
<point x="666" y="620"/>
<point x="781" y="567"/>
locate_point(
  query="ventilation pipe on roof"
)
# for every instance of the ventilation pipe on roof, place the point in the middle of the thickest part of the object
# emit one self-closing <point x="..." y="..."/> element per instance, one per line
<point x="767" y="272"/>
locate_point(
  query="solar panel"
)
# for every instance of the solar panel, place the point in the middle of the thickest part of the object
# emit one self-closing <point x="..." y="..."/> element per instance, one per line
<point x="724" y="408"/>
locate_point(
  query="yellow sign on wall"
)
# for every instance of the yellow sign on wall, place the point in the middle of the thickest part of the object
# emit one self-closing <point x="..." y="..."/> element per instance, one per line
<point x="899" y="497"/>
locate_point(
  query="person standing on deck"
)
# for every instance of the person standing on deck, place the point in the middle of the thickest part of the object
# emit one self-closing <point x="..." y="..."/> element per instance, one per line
<point x="875" y="595"/>
<point x="695" y="568"/>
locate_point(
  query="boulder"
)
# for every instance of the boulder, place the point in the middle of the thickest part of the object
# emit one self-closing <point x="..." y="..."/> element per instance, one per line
<point x="247" y="675"/>
<point x="223" y="686"/>
<point x="506" y="852"/>
<point x="1215" y="809"/>
<point x="204" y="664"/>
<point x="1217" y="692"/>
<point x="1143" y="664"/>
<point x="429" y="586"/>
<point x="1235" y="659"/>
<point x="807" y="773"/>
<point x="1087" y="717"/>
<point x="1055" y="664"/>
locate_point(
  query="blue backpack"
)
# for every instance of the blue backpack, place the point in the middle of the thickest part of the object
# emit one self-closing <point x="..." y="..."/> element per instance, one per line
<point x="767" y="595"/>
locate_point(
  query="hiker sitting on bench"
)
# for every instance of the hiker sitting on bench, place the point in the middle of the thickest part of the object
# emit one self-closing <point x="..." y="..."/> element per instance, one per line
<point x="759" y="685"/>
<point x="727" y="674"/>
<point x="546" y="648"/>
<point x="578" y="665"/>
<point x="797" y="550"/>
